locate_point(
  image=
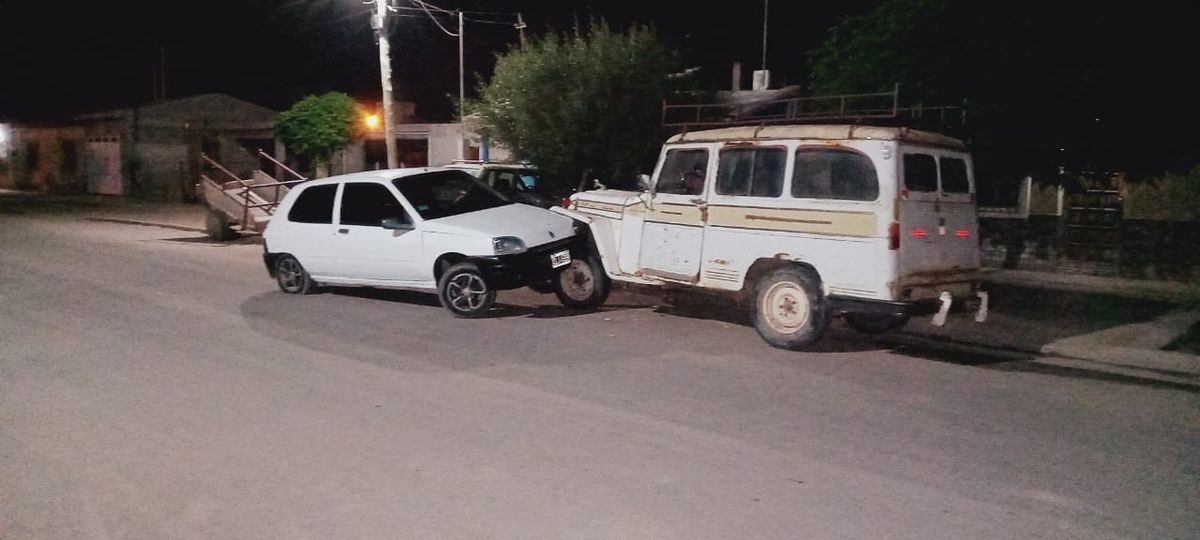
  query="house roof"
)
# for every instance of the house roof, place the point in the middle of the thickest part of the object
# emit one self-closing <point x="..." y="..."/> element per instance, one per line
<point x="219" y="111"/>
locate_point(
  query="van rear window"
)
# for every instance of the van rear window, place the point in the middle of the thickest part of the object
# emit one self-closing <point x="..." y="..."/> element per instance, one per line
<point x="954" y="176"/>
<point x="920" y="172"/>
<point x="834" y="173"/>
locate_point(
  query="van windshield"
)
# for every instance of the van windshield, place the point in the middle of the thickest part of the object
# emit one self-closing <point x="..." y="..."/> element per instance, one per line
<point x="447" y="193"/>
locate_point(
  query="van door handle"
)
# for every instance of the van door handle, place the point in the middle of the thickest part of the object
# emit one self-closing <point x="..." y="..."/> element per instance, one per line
<point x="343" y="231"/>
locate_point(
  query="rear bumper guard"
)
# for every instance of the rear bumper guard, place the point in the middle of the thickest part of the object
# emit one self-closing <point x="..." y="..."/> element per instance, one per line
<point x="939" y="307"/>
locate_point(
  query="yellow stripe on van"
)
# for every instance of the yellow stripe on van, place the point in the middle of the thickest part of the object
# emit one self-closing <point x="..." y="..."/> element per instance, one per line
<point x="794" y="220"/>
<point x="679" y="214"/>
<point x="602" y="206"/>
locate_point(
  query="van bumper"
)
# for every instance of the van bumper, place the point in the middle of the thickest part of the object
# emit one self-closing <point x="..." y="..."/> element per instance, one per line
<point x="909" y="308"/>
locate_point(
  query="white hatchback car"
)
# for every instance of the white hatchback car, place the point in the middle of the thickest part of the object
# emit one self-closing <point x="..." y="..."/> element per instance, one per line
<point x="433" y="229"/>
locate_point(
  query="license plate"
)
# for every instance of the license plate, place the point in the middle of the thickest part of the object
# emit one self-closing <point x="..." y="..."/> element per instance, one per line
<point x="561" y="258"/>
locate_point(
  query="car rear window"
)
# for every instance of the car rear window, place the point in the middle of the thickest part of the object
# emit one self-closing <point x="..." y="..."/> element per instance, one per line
<point x="954" y="176"/>
<point x="920" y="172"/>
<point x="754" y="172"/>
<point x="314" y="205"/>
<point x="834" y="173"/>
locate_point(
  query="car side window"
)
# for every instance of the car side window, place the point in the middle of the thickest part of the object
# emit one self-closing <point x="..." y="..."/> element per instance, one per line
<point x="754" y="172"/>
<point x="920" y="172"/>
<point x="683" y="172"/>
<point x="954" y="175"/>
<point x="834" y="173"/>
<point x="314" y="205"/>
<point x="367" y="204"/>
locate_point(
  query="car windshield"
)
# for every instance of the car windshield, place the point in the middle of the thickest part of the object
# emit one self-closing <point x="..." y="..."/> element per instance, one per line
<point x="447" y="193"/>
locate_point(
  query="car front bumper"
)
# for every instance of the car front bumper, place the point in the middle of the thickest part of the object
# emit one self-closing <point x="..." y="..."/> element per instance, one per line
<point x="531" y="268"/>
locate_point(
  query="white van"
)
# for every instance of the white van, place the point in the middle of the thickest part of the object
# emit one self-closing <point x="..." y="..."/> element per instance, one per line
<point x="874" y="224"/>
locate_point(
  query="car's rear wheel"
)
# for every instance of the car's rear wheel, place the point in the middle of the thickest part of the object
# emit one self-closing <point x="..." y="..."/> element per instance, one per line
<point x="790" y="311"/>
<point x="583" y="284"/>
<point x="292" y="277"/>
<point x="875" y="323"/>
<point x="463" y="291"/>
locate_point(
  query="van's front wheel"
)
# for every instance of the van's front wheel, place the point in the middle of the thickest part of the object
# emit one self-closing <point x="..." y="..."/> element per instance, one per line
<point x="790" y="312"/>
<point x="583" y="284"/>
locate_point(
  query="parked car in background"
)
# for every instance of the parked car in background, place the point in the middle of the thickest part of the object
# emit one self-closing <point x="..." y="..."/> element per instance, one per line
<point x="520" y="182"/>
<point x="435" y="229"/>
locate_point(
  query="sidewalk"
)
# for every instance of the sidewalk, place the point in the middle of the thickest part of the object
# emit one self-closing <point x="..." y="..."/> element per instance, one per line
<point x="1169" y="291"/>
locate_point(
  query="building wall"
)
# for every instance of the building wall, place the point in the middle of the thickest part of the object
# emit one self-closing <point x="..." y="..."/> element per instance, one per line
<point x="46" y="159"/>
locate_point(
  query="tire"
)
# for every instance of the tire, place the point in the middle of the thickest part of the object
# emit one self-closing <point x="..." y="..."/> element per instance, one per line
<point x="216" y="226"/>
<point x="292" y="277"/>
<point x="875" y="323"/>
<point x="583" y="284"/>
<point x="464" y="293"/>
<point x="790" y="311"/>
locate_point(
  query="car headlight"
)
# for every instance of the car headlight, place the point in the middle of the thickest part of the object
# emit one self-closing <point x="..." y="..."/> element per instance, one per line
<point x="508" y="245"/>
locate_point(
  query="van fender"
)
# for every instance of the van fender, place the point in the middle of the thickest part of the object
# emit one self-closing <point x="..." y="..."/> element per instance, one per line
<point x="602" y="238"/>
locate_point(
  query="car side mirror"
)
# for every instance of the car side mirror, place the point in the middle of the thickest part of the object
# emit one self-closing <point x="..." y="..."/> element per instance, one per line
<point x="395" y="224"/>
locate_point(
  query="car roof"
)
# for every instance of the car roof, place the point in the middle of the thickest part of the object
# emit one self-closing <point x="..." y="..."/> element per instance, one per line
<point x="382" y="175"/>
<point x="825" y="132"/>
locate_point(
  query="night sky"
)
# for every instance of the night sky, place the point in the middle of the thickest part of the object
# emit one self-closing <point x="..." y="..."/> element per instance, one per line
<point x="1129" y="61"/>
<point x="92" y="55"/>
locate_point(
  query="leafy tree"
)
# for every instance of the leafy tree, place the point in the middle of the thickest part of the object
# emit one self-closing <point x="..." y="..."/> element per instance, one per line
<point x="579" y="105"/>
<point x="317" y="126"/>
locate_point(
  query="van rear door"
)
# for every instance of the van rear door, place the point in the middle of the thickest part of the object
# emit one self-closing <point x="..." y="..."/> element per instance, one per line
<point x="938" y="223"/>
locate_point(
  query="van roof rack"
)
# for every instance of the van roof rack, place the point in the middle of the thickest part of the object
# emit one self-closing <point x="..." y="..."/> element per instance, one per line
<point x="784" y="107"/>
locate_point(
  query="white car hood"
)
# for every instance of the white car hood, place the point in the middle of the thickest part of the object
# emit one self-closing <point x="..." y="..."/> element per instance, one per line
<point x="534" y="226"/>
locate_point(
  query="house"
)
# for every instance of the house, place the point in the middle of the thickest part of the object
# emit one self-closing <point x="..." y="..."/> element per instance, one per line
<point x="149" y="151"/>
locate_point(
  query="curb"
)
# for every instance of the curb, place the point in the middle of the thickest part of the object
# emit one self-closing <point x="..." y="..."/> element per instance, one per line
<point x="145" y="224"/>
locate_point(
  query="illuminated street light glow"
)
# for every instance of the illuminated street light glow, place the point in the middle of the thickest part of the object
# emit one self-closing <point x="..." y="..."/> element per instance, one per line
<point x="372" y="121"/>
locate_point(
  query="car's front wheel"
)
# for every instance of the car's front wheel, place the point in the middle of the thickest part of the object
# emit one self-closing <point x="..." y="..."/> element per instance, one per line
<point x="583" y="284"/>
<point x="292" y="277"/>
<point x="790" y="311"/>
<point x="463" y="291"/>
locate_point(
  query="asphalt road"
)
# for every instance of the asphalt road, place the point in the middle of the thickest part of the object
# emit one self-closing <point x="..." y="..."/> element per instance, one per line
<point x="152" y="388"/>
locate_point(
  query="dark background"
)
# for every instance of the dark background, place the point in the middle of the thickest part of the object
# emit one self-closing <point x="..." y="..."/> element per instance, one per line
<point x="1131" y="64"/>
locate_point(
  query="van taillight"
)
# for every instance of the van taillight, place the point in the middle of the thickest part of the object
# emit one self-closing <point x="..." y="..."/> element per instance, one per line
<point x="962" y="233"/>
<point x="566" y="202"/>
<point x="894" y="236"/>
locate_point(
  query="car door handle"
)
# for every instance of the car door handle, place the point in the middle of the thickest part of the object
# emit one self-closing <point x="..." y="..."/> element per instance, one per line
<point x="343" y="231"/>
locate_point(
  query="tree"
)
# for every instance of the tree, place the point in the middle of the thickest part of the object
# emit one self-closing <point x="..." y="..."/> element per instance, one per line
<point x="1048" y="84"/>
<point x="317" y="126"/>
<point x="579" y="105"/>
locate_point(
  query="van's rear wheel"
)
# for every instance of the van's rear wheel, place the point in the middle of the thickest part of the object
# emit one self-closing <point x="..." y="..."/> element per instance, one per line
<point x="875" y="323"/>
<point x="790" y="312"/>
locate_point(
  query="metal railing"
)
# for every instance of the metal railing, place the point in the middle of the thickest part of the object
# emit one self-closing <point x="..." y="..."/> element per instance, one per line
<point x="245" y="191"/>
<point x="841" y="107"/>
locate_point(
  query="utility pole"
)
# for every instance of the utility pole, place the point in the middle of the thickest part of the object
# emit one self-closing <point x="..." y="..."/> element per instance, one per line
<point x="766" y="4"/>
<point x="462" y="94"/>
<point x="521" y="28"/>
<point x="378" y="22"/>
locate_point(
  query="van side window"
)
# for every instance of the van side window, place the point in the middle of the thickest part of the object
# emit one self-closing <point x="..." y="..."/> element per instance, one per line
<point x="683" y="172"/>
<point x="954" y="176"/>
<point x="834" y="173"/>
<point x="367" y="204"/>
<point x="756" y="172"/>
<point x="920" y="172"/>
<point x="314" y="205"/>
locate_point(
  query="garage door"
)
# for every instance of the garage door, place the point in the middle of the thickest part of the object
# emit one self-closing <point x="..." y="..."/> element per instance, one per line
<point x="104" y="167"/>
